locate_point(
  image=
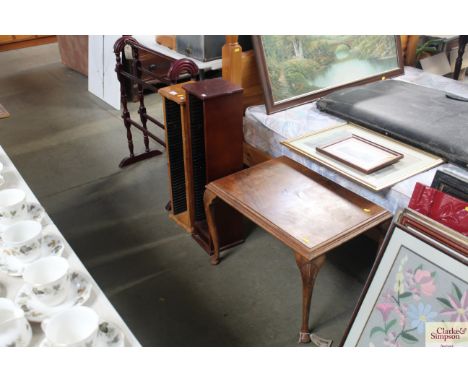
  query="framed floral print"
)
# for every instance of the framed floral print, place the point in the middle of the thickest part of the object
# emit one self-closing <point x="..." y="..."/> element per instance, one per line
<point x="412" y="284"/>
<point x="298" y="69"/>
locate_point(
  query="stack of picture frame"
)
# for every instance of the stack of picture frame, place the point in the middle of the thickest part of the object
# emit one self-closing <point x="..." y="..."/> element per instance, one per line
<point x="420" y="278"/>
<point x="387" y="163"/>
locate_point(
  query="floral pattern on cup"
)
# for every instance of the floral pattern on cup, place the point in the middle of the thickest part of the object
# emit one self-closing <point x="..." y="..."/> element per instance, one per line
<point x="24" y="250"/>
<point x="108" y="335"/>
<point x="36" y="311"/>
<point x="52" y="290"/>
<point x="23" y="240"/>
<point x="52" y="245"/>
<point x="27" y="249"/>
<point x="13" y="204"/>
<point x="35" y="211"/>
<point x="49" y="279"/>
<point x="112" y="335"/>
<point x="12" y="213"/>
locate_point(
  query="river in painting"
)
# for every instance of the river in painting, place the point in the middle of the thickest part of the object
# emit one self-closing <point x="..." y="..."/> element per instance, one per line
<point x="346" y="71"/>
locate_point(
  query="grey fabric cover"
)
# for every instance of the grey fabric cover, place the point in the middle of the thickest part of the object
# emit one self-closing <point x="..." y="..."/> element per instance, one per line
<point x="414" y="114"/>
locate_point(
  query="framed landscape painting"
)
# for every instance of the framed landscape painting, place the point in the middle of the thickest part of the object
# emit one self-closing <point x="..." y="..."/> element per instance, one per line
<point x="413" y="287"/>
<point x="297" y="69"/>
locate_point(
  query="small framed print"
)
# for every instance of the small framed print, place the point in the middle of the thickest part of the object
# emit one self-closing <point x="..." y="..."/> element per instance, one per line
<point x="412" y="285"/>
<point x="360" y="153"/>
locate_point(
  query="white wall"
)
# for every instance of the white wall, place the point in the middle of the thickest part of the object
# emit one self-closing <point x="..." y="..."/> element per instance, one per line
<point x="102" y="79"/>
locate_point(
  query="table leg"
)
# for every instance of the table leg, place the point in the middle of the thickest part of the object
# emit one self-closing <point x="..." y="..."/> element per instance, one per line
<point x="309" y="270"/>
<point x="208" y="201"/>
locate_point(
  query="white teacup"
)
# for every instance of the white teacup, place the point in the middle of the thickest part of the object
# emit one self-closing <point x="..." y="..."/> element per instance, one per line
<point x="12" y="205"/>
<point x="12" y="323"/>
<point x="49" y="279"/>
<point x="77" y="326"/>
<point x="23" y="240"/>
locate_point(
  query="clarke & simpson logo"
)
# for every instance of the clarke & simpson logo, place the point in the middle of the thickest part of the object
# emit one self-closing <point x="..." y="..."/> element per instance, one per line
<point x="446" y="334"/>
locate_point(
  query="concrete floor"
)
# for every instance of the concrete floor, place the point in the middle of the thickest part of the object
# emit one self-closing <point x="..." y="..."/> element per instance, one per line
<point x="67" y="144"/>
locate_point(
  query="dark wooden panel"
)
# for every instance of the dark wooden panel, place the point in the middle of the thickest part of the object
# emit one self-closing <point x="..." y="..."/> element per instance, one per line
<point x="175" y="151"/>
<point x="450" y="185"/>
<point x="223" y="135"/>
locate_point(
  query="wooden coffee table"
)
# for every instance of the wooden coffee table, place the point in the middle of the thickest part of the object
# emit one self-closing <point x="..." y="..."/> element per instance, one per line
<point x="307" y="212"/>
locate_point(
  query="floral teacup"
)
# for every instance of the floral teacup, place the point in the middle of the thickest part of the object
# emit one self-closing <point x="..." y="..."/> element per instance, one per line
<point x="12" y="205"/>
<point x="14" y="329"/>
<point x="77" y="326"/>
<point x="23" y="240"/>
<point x="49" y="279"/>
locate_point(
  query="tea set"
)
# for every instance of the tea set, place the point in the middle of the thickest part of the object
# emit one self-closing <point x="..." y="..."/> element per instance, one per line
<point x="52" y="293"/>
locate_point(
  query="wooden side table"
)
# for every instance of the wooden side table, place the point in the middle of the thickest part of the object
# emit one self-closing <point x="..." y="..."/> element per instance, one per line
<point x="307" y="212"/>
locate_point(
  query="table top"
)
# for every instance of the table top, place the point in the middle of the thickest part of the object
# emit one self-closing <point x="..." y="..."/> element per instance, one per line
<point x="304" y="210"/>
<point x="150" y="42"/>
<point x="11" y="285"/>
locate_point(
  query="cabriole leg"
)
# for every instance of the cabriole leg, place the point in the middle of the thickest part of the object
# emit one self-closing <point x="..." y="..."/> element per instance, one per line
<point x="309" y="270"/>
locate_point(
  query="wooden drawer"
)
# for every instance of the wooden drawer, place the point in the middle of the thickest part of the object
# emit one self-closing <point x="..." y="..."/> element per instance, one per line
<point x="158" y="65"/>
<point x="5" y="39"/>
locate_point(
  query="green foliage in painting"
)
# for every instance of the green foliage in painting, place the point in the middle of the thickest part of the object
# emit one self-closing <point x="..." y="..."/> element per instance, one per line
<point x="298" y="65"/>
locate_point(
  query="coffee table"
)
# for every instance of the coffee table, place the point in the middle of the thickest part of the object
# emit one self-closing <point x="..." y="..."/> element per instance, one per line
<point x="307" y="212"/>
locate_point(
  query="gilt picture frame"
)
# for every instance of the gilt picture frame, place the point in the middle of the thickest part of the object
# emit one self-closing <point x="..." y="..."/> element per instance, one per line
<point x="412" y="284"/>
<point x="361" y="154"/>
<point x="412" y="162"/>
<point x="298" y="69"/>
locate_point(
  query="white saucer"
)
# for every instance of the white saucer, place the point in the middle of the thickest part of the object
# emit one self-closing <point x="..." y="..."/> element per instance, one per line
<point x="109" y="335"/>
<point x="37" y="311"/>
<point x="22" y="339"/>
<point x="52" y="245"/>
<point x="35" y="212"/>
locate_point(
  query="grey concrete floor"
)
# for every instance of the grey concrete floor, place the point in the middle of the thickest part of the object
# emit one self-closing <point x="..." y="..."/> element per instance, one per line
<point x="67" y="145"/>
